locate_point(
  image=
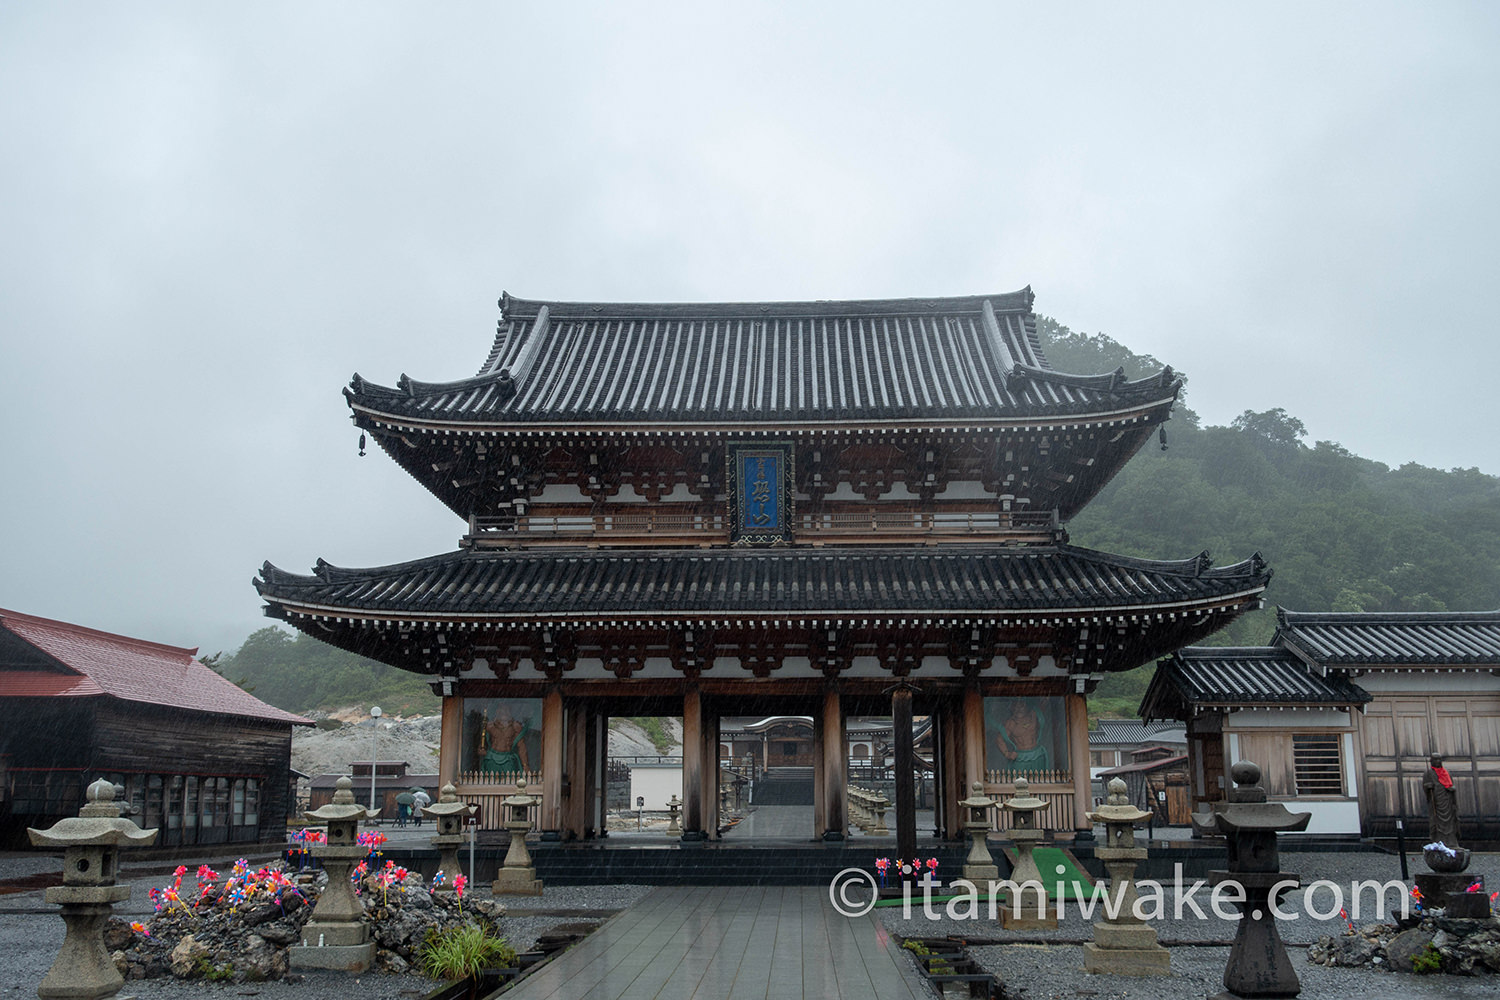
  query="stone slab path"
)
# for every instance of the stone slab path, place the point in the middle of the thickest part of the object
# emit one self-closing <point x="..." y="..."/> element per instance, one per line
<point x="730" y="943"/>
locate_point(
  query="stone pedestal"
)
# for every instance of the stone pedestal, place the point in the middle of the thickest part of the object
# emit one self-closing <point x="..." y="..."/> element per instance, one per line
<point x="1449" y="890"/>
<point x="1030" y="910"/>
<point x="91" y="842"/>
<point x="1123" y="944"/>
<point x="337" y="936"/>
<point x="517" y="877"/>
<point x="83" y="967"/>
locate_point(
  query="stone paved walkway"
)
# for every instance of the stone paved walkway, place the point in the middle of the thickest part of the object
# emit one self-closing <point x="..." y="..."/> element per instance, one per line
<point x="730" y="943"/>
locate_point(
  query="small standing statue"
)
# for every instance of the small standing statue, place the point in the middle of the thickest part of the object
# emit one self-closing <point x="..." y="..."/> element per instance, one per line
<point x="1447" y="886"/>
<point x="1442" y="802"/>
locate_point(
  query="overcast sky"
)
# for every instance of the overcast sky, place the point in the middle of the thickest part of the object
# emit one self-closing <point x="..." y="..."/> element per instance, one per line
<point x="212" y="215"/>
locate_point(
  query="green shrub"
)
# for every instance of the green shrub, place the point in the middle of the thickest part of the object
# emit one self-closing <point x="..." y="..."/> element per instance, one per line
<point x="460" y="952"/>
<point x="1431" y="960"/>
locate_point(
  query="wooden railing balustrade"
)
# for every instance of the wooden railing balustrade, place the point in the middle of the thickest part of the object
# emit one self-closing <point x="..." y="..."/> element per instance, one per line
<point x="707" y="522"/>
<point x="489" y="791"/>
<point x="1055" y="787"/>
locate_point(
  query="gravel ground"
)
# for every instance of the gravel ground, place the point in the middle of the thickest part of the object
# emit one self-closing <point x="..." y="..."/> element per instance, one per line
<point x="1048" y="964"/>
<point x="1052" y="972"/>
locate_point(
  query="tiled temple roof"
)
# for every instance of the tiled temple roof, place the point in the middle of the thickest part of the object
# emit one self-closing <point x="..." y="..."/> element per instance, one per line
<point x="1435" y="638"/>
<point x="82" y="662"/>
<point x="979" y="579"/>
<point x="1242" y="677"/>
<point x="967" y="358"/>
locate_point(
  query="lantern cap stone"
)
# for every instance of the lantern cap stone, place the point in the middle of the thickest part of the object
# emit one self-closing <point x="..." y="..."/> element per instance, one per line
<point x="98" y="824"/>
<point x="1117" y="807"/>
<point x="448" y="804"/>
<point x="343" y="806"/>
<point x="977" y="799"/>
<point x="1247" y="808"/>
<point x="520" y="798"/>
<point x="1023" y="800"/>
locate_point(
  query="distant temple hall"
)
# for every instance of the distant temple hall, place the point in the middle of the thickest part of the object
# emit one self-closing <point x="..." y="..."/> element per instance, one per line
<point x="820" y="509"/>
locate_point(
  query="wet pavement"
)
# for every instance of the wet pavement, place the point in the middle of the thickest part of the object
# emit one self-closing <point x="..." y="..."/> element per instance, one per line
<point x="730" y="943"/>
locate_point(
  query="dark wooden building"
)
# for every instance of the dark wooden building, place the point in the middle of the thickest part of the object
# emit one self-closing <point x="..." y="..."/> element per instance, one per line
<point x="788" y="508"/>
<point x="197" y="757"/>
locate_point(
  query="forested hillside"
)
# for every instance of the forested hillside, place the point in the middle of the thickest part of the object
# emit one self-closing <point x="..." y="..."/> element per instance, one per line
<point x="1341" y="532"/>
<point x="302" y="674"/>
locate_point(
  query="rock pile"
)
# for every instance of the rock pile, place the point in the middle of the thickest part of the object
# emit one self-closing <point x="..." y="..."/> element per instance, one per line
<point x="223" y="939"/>
<point x="1455" y="946"/>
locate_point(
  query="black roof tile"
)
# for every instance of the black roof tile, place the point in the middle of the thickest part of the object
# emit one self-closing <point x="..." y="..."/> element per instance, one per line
<point x="797" y="582"/>
<point x="974" y="357"/>
<point x="1411" y="638"/>
<point x="1242" y="676"/>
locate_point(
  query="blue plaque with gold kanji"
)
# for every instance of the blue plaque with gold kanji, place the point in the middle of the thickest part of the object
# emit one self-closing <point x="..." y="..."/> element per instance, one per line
<point x="760" y="494"/>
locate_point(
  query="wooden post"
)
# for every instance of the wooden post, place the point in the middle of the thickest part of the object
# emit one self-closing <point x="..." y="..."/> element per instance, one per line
<point x="835" y="768"/>
<point x="692" y="764"/>
<point x="974" y="736"/>
<point x="710" y="774"/>
<point x="552" y="764"/>
<point x="1078" y="754"/>
<point x="906" y="801"/>
<point x="820" y="785"/>
<point x="450" y="742"/>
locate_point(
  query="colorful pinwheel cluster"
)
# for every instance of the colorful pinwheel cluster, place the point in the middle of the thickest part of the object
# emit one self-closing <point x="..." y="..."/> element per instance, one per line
<point x="882" y="865"/>
<point x="242" y="886"/>
<point x="139" y="928"/>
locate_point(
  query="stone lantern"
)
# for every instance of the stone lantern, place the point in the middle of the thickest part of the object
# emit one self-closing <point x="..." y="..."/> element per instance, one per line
<point x="450" y="815"/>
<point x="980" y="867"/>
<point x="1029" y="911"/>
<point x="517" y="877"/>
<point x="337" y="937"/>
<point x="1258" y="965"/>
<point x="674" y="805"/>
<point x="1123" y="944"/>
<point x="91" y="843"/>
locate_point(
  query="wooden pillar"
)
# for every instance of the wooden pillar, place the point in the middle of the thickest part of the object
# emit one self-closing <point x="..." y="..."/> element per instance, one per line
<point x="820" y="787"/>
<point x="692" y="764"/>
<point x="552" y="764"/>
<point x="450" y="742"/>
<point x="906" y="799"/>
<point x="710" y="773"/>
<point x="950" y="736"/>
<point x="1078" y="758"/>
<point x="974" y="737"/>
<point x="835" y="768"/>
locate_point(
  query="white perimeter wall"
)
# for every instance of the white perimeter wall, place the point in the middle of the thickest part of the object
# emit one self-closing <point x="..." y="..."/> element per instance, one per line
<point x="656" y="784"/>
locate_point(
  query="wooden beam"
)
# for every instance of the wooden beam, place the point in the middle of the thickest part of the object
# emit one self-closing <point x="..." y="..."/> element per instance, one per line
<point x="552" y="764"/>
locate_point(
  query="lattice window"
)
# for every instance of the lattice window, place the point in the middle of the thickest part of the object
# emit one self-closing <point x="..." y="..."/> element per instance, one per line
<point x="1318" y="763"/>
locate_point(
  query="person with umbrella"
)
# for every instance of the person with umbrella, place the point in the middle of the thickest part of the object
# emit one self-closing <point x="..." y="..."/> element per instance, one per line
<point x="421" y="800"/>
<point x="404" y="802"/>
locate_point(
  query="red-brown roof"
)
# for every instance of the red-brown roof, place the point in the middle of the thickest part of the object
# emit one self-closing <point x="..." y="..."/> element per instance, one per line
<point x="102" y="663"/>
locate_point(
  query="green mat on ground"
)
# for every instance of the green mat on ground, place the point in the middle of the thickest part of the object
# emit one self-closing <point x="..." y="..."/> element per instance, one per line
<point x="1076" y="883"/>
